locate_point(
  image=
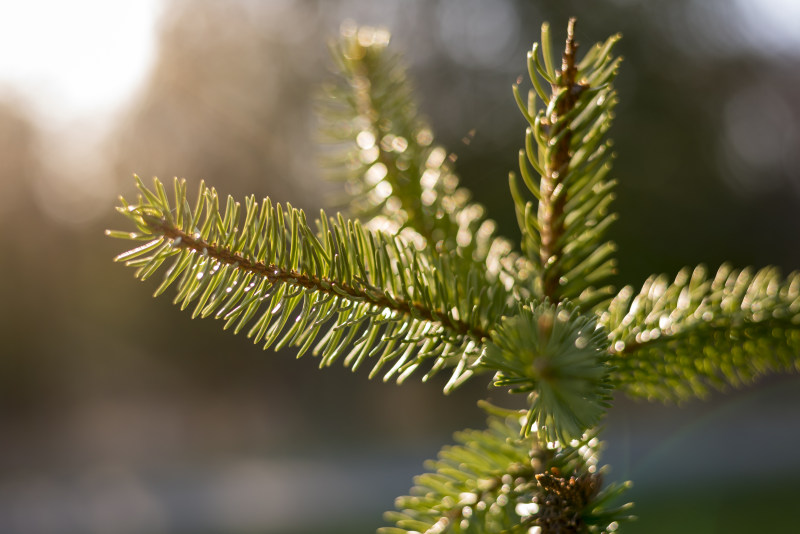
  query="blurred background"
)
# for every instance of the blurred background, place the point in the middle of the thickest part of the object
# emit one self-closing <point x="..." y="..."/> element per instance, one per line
<point x="118" y="414"/>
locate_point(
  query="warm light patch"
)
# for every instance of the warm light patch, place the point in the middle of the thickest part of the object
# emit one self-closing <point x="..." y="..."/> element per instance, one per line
<point x="76" y="58"/>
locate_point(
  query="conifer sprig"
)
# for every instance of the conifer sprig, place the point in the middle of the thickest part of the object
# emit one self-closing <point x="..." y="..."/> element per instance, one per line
<point x="565" y="145"/>
<point x="357" y="294"/>
<point x="673" y="341"/>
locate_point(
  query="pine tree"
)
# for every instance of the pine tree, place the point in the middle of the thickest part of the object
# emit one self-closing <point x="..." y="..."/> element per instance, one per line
<point x="417" y="281"/>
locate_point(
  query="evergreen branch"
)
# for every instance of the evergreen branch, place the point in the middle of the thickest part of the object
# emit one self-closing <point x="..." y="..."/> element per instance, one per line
<point x="496" y="482"/>
<point x="565" y="146"/>
<point x="397" y="179"/>
<point x="673" y="341"/>
<point x="384" y="301"/>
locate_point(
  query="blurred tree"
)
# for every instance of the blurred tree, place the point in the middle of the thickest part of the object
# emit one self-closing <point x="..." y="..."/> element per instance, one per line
<point x="19" y="376"/>
<point x="227" y="101"/>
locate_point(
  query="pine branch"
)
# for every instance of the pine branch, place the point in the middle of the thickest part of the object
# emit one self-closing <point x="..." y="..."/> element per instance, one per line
<point x="565" y="146"/>
<point x="398" y="180"/>
<point x="381" y="299"/>
<point x="496" y="482"/>
<point x="673" y="341"/>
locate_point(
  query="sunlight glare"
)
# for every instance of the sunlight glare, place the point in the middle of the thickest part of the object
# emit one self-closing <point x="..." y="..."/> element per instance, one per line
<point x="773" y="24"/>
<point x="79" y="58"/>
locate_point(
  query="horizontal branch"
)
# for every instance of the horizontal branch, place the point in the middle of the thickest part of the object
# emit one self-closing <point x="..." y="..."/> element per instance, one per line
<point x="277" y="274"/>
<point x="673" y="340"/>
<point x="262" y="266"/>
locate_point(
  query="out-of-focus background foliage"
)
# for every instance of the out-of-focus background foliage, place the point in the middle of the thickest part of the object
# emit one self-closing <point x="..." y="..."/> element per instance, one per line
<point x="119" y="414"/>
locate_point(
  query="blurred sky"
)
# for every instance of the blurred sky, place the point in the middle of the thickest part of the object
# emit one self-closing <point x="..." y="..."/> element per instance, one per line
<point x="79" y="58"/>
<point x="74" y="66"/>
<point x="85" y="58"/>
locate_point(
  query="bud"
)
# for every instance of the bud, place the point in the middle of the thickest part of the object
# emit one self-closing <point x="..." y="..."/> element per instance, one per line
<point x="559" y="357"/>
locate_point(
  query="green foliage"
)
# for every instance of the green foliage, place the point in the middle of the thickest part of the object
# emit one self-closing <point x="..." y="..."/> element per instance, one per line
<point x="357" y="294"/>
<point x="495" y="481"/>
<point x="397" y="179"/>
<point x="565" y="145"/>
<point x="559" y="356"/>
<point x="672" y="341"/>
<point x="422" y="281"/>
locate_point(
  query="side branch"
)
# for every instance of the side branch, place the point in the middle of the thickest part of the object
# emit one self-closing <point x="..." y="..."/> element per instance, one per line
<point x="676" y="340"/>
<point x="404" y="179"/>
<point x="277" y="274"/>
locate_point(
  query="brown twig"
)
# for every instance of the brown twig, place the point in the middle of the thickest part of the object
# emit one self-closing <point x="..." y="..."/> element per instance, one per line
<point x="277" y="274"/>
<point x="553" y="200"/>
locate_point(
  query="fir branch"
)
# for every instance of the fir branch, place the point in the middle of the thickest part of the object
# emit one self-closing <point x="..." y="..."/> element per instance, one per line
<point x="565" y="146"/>
<point x="493" y="481"/>
<point x="382" y="299"/>
<point x="673" y="341"/>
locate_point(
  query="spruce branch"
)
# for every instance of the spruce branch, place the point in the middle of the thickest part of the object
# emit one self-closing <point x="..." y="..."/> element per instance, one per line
<point x="382" y="299"/>
<point x="673" y="341"/>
